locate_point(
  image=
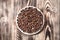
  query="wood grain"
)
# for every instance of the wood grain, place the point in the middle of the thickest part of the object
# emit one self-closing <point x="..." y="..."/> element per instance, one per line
<point x="9" y="10"/>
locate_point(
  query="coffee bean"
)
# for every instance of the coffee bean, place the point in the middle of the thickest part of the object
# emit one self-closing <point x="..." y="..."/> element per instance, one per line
<point x="30" y="20"/>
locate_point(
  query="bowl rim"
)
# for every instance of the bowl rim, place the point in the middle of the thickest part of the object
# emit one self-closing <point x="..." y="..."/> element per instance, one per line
<point x="33" y="32"/>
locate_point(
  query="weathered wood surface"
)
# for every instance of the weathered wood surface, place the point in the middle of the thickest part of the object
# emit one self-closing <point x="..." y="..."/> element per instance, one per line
<point x="10" y="8"/>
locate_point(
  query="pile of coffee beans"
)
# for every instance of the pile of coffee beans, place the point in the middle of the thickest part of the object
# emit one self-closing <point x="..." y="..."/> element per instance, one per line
<point x="30" y="20"/>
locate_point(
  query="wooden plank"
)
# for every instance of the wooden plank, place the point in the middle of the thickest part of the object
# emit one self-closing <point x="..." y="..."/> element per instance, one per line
<point x="10" y="8"/>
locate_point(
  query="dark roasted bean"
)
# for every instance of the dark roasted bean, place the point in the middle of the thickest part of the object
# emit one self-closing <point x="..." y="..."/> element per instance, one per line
<point x="30" y="20"/>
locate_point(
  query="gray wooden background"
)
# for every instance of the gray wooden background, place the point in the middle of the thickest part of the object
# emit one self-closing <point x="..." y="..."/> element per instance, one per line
<point x="10" y="8"/>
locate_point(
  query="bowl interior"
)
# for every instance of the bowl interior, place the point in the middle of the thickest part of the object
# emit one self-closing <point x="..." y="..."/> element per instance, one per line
<point x="27" y="32"/>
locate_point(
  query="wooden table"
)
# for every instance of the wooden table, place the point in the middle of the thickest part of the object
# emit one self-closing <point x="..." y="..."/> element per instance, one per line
<point x="10" y="8"/>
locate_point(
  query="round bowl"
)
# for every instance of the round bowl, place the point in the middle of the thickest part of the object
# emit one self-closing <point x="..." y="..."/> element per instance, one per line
<point x="33" y="32"/>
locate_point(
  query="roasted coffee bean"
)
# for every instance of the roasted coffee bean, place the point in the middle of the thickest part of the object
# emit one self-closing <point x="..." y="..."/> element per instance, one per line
<point x="30" y="20"/>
